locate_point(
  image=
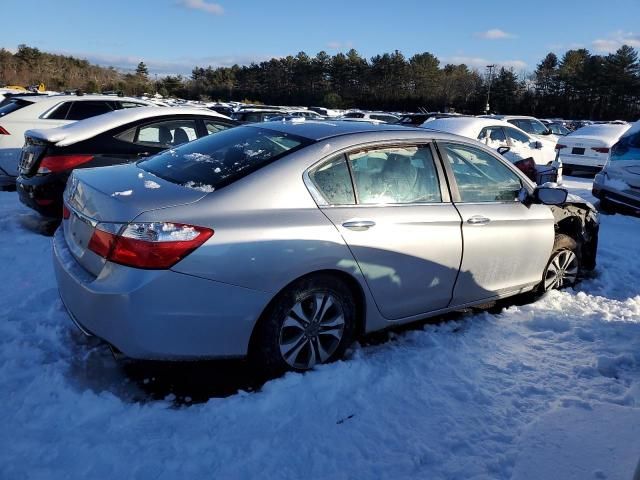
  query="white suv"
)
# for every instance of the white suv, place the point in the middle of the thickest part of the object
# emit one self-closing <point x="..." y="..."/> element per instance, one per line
<point x="21" y="113"/>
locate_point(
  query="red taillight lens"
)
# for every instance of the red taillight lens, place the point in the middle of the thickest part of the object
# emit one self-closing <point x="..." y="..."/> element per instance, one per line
<point x="66" y="213"/>
<point x="148" y="245"/>
<point x="3" y="131"/>
<point x="600" y="149"/>
<point x="102" y="242"/>
<point x="559" y="146"/>
<point x="60" y="163"/>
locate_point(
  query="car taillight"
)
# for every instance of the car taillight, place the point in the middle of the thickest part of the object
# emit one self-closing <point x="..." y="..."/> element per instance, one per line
<point x="559" y="146"/>
<point x="3" y="131"/>
<point x="154" y="245"/>
<point x="600" y="149"/>
<point x="60" y="163"/>
<point x="66" y="213"/>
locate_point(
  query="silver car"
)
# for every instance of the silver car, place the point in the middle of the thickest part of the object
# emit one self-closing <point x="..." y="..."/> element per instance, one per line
<point x="285" y="241"/>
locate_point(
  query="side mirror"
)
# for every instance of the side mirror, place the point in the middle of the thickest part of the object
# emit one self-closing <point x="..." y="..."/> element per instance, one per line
<point x="548" y="132"/>
<point x="503" y="150"/>
<point x="550" y="196"/>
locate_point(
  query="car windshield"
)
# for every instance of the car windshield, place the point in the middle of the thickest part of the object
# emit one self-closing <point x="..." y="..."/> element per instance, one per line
<point x="12" y="105"/>
<point x="218" y="160"/>
<point x="627" y="148"/>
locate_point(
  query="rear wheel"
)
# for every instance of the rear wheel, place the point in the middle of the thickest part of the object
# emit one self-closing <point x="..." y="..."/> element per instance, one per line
<point x="311" y="322"/>
<point x="566" y="170"/>
<point x="563" y="266"/>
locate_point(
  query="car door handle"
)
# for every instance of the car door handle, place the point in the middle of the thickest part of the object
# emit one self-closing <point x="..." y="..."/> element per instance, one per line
<point x="144" y="154"/>
<point x="478" y="220"/>
<point x="358" y="224"/>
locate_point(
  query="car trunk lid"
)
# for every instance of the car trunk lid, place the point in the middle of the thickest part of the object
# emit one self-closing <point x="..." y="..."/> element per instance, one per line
<point x="113" y="195"/>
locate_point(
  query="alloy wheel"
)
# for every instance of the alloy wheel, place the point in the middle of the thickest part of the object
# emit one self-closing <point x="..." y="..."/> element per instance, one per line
<point x="562" y="270"/>
<point x="312" y="330"/>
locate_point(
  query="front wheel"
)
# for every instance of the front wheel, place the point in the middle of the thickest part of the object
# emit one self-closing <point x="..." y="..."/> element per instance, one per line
<point x="563" y="266"/>
<point x="311" y="322"/>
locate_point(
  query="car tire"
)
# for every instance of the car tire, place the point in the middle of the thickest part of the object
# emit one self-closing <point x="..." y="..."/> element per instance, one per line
<point x="566" y="170"/>
<point x="310" y="322"/>
<point x="563" y="267"/>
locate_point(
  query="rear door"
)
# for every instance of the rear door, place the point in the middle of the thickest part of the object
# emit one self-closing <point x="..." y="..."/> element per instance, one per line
<point x="395" y="214"/>
<point x="506" y="244"/>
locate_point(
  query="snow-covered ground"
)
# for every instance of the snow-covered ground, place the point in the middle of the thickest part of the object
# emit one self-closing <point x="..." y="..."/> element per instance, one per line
<point x="549" y="390"/>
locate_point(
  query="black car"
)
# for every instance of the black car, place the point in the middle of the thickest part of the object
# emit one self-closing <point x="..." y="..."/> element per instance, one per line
<point x="123" y="136"/>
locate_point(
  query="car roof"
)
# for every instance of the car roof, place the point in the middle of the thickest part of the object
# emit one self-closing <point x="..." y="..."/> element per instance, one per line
<point x="81" y="98"/>
<point x="322" y="129"/>
<point x="93" y="126"/>
<point x="465" y="126"/>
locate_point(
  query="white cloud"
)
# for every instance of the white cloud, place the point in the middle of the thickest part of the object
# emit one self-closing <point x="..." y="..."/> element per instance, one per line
<point x="335" y="45"/>
<point x="203" y="5"/>
<point x="481" y="63"/>
<point x="615" y="41"/>
<point x="494" y="34"/>
<point x="183" y="66"/>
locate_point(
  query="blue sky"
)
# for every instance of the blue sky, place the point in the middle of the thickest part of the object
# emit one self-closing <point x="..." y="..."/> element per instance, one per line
<point x="172" y="36"/>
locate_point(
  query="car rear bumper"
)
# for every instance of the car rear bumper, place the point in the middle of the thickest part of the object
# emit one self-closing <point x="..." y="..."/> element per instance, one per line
<point x="615" y="196"/>
<point x="42" y="193"/>
<point x="157" y="314"/>
<point x="583" y="163"/>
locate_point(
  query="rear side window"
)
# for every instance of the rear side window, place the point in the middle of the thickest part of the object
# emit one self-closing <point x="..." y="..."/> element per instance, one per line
<point x="627" y="148"/>
<point x="12" y="106"/>
<point x="217" y="160"/>
<point x="354" y="115"/>
<point x="493" y="137"/>
<point x="60" y="112"/>
<point x="87" y="109"/>
<point x="167" y="133"/>
<point x="334" y="182"/>
<point x="395" y="175"/>
<point x="215" y="127"/>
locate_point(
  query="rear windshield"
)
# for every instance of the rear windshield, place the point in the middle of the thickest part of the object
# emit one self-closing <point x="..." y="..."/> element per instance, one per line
<point x="218" y="160"/>
<point x="627" y="148"/>
<point x="12" y="106"/>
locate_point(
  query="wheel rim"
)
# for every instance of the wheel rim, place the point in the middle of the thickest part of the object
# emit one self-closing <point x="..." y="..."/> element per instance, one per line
<point x="562" y="270"/>
<point x="312" y="330"/>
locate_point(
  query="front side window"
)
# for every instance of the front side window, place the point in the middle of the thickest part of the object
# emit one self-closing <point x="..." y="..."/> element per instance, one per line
<point x="217" y="160"/>
<point x="493" y="137"/>
<point x="354" y="115"/>
<point x="395" y="175"/>
<point x="334" y="182"/>
<point x="167" y="133"/>
<point x="516" y="137"/>
<point x="480" y="176"/>
<point x="80" y="110"/>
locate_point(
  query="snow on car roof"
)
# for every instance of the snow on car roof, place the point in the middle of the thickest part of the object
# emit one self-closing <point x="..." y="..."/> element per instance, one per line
<point x="40" y="97"/>
<point x="603" y="131"/>
<point x="84" y="129"/>
<point x="464" y="126"/>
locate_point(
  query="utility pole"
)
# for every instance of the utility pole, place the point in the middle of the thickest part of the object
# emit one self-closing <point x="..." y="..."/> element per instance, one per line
<point x="490" y="74"/>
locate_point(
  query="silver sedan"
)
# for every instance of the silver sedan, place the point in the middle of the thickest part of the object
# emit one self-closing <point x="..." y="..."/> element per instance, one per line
<point x="285" y="241"/>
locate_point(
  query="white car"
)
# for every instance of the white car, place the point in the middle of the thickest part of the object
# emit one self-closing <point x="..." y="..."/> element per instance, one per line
<point x="497" y="134"/>
<point x="588" y="147"/>
<point x="531" y="125"/>
<point x="371" y="117"/>
<point x="23" y="113"/>
<point x="619" y="181"/>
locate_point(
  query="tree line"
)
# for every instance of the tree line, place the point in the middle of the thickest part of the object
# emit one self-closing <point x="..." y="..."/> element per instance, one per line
<point x="579" y="84"/>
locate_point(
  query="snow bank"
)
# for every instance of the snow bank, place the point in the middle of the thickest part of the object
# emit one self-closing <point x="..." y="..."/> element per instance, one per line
<point x="545" y="390"/>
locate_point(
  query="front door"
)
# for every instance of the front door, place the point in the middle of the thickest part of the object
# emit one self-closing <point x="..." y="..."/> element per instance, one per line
<point x="506" y="244"/>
